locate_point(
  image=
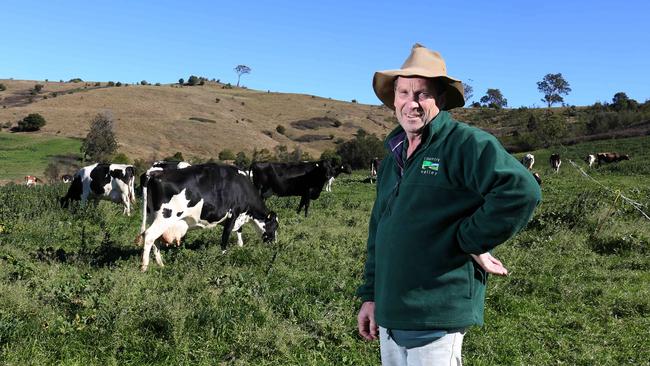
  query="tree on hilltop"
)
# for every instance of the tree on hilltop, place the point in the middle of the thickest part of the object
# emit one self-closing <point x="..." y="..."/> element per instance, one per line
<point x="552" y="86"/>
<point x="494" y="99"/>
<point x="240" y="70"/>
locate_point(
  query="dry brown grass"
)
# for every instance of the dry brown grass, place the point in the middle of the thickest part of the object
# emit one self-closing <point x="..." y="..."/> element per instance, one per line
<point x="154" y="121"/>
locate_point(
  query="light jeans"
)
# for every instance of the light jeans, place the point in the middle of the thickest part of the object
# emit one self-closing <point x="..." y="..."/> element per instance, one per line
<point x="445" y="351"/>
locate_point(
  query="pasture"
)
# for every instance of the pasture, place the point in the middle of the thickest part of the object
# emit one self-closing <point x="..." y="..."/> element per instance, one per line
<point x="72" y="292"/>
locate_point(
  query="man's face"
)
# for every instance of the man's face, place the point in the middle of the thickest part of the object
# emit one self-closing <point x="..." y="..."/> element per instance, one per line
<point x="415" y="103"/>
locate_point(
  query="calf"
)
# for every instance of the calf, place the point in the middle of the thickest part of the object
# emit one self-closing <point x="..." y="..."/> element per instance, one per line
<point x="374" y="166"/>
<point x="528" y="160"/>
<point x="611" y="157"/>
<point x="108" y="181"/>
<point x="202" y="196"/>
<point x="144" y="177"/>
<point x="555" y="162"/>
<point x="345" y="168"/>
<point x="292" y="179"/>
<point x="590" y="160"/>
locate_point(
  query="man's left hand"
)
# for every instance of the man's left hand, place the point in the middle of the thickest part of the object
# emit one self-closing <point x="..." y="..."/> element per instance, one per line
<point x="490" y="264"/>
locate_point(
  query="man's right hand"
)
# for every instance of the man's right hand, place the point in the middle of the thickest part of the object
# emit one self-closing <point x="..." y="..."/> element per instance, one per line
<point x="366" y="321"/>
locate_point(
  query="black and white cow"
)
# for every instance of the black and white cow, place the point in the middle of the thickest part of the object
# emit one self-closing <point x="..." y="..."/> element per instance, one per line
<point x="590" y="160"/>
<point x="202" y="196"/>
<point x="113" y="182"/>
<point x="555" y="162"/>
<point x="144" y="177"/>
<point x="528" y="161"/>
<point x="305" y="180"/>
<point x="374" y="166"/>
<point x="342" y="168"/>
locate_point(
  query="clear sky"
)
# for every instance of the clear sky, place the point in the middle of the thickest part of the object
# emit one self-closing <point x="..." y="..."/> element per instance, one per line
<point x="332" y="48"/>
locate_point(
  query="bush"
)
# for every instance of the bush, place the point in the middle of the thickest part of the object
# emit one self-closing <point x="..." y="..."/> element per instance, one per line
<point x="120" y="158"/>
<point x="38" y="88"/>
<point x="98" y="84"/>
<point x="193" y="80"/>
<point x="119" y="83"/>
<point x="110" y="83"/>
<point x="3" y="87"/>
<point x="32" y="122"/>
<point x="181" y="81"/>
<point x="281" y="130"/>
<point x="226" y="154"/>
<point x="242" y="161"/>
<point x="100" y="143"/>
<point x="75" y="80"/>
<point x="361" y="150"/>
<point x="144" y="82"/>
<point x="52" y="172"/>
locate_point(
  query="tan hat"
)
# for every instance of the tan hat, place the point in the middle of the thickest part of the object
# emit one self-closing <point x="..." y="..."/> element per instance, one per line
<point x="425" y="63"/>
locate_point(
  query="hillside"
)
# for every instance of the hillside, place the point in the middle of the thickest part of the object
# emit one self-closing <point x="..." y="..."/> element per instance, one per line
<point x="199" y="121"/>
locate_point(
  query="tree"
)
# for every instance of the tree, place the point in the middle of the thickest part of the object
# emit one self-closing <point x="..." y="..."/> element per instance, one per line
<point x="100" y="143"/>
<point x="468" y="91"/>
<point x="552" y="86"/>
<point x="240" y="70"/>
<point x="226" y="154"/>
<point x="361" y="150"/>
<point x="551" y="127"/>
<point x="494" y="99"/>
<point x="193" y="80"/>
<point x="181" y="81"/>
<point x="33" y="122"/>
<point x="621" y="102"/>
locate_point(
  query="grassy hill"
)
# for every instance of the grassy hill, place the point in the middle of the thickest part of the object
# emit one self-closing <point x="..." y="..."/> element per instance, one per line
<point x="199" y="121"/>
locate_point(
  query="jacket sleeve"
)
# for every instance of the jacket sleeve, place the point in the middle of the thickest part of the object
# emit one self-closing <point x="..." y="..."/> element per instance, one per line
<point x="366" y="292"/>
<point x="509" y="191"/>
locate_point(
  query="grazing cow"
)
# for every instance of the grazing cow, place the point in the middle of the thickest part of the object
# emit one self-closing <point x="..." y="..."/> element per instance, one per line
<point x="31" y="180"/>
<point x="555" y="162"/>
<point x="538" y="179"/>
<point x="374" y="166"/>
<point x="144" y="177"/>
<point x="66" y="178"/>
<point x="304" y="179"/>
<point x="611" y="157"/>
<point x="202" y="196"/>
<point x="528" y="160"/>
<point x="590" y="159"/>
<point x="109" y="181"/>
<point x="345" y="168"/>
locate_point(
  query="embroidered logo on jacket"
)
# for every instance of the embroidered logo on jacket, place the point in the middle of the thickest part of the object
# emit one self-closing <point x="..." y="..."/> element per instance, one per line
<point x="430" y="166"/>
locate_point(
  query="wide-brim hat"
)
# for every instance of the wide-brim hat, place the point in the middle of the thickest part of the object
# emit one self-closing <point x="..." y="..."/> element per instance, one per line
<point x="425" y="63"/>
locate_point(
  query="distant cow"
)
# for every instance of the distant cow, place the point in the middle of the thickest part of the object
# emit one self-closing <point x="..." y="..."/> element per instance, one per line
<point x="590" y="160"/>
<point x="305" y="180"/>
<point x="106" y="181"/>
<point x="31" y="180"/>
<point x="528" y="160"/>
<point x="555" y="162"/>
<point x="155" y="167"/>
<point x="611" y="157"/>
<point x="202" y="196"/>
<point x="374" y="167"/>
<point x="538" y="179"/>
<point x="66" y="178"/>
<point x="344" y="168"/>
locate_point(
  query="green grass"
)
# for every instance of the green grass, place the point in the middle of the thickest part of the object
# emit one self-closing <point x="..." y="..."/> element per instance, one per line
<point x="71" y="290"/>
<point x="28" y="154"/>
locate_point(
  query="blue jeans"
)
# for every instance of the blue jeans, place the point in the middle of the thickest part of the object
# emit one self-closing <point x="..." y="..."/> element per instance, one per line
<point x="445" y="351"/>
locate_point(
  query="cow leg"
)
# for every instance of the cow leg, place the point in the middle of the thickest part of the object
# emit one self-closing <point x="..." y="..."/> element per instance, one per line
<point x="150" y="237"/>
<point x="240" y="241"/>
<point x="127" y="203"/>
<point x="303" y="199"/>
<point x="227" y="229"/>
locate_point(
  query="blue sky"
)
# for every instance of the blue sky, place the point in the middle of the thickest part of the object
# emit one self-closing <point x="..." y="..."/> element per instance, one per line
<point x="332" y="48"/>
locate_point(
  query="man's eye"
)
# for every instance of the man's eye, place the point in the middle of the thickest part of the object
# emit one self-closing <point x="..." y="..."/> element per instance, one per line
<point x="424" y="96"/>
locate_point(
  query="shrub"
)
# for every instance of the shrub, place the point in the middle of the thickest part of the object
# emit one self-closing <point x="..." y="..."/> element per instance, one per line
<point x="121" y="158"/>
<point x="119" y="83"/>
<point x="38" y="88"/>
<point x="359" y="151"/>
<point x="110" y="83"/>
<point x="354" y="100"/>
<point x="3" y="87"/>
<point x="157" y="84"/>
<point x="144" y="82"/>
<point x="226" y="154"/>
<point x="193" y="80"/>
<point x="281" y="130"/>
<point x="217" y="100"/>
<point x="242" y="161"/>
<point x="33" y="122"/>
<point x="181" y="81"/>
<point x="75" y="80"/>
<point x="98" y="84"/>
<point x="52" y="172"/>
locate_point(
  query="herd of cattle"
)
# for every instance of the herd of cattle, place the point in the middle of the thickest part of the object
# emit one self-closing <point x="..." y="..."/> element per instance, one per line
<point x="178" y="196"/>
<point x="555" y="161"/>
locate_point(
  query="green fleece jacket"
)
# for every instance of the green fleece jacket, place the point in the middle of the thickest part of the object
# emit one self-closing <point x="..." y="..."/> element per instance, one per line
<point x="459" y="193"/>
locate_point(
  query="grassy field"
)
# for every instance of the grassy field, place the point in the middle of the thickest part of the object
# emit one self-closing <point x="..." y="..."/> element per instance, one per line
<point x="28" y="154"/>
<point x="72" y="293"/>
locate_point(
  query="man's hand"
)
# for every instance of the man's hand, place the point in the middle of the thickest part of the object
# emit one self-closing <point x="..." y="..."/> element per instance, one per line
<point x="366" y="321"/>
<point x="490" y="264"/>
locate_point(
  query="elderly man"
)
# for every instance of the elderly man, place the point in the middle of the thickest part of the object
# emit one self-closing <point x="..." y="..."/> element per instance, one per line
<point x="447" y="194"/>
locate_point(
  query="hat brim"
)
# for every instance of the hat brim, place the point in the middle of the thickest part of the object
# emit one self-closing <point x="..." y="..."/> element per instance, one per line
<point x="384" y="85"/>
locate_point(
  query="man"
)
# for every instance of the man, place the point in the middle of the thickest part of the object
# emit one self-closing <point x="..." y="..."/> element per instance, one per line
<point x="447" y="193"/>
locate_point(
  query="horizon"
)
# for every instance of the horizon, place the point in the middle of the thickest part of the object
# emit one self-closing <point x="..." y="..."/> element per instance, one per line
<point x="333" y="50"/>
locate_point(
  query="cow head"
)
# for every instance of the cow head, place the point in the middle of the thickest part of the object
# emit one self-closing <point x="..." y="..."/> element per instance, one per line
<point x="271" y="224"/>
